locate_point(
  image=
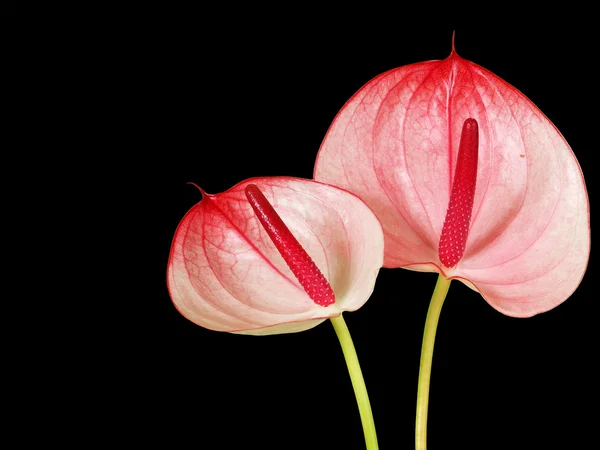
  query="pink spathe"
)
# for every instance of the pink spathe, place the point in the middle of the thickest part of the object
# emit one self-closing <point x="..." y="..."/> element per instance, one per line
<point x="226" y="273"/>
<point x="395" y="144"/>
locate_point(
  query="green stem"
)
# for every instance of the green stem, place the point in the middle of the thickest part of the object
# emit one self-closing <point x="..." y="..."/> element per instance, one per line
<point x="433" y="315"/>
<point x="358" y="382"/>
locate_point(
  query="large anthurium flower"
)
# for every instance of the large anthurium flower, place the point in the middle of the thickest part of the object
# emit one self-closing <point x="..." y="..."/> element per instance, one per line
<point x="274" y="255"/>
<point x="469" y="179"/>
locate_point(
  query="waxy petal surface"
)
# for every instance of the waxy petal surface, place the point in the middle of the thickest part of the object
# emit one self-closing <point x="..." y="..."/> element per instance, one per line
<point x="395" y="144"/>
<point x="225" y="273"/>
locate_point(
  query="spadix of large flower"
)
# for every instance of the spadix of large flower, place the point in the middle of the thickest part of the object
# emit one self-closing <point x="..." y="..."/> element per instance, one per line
<point x="510" y="217"/>
<point x="274" y="255"/>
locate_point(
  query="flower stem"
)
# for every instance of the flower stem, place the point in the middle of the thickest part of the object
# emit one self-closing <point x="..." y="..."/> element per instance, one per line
<point x="358" y="382"/>
<point x="433" y="315"/>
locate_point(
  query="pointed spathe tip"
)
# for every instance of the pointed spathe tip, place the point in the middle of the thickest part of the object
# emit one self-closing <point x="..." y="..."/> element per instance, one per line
<point x="204" y="194"/>
<point x="453" y="51"/>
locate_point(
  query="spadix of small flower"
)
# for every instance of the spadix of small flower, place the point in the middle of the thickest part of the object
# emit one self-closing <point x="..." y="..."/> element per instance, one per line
<point x="395" y="144"/>
<point x="226" y="274"/>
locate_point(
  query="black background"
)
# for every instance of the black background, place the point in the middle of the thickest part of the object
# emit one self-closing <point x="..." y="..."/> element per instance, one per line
<point x="217" y="106"/>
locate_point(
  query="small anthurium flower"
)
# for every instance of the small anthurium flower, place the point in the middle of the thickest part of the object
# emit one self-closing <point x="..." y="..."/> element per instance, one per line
<point x="274" y="255"/>
<point x="468" y="178"/>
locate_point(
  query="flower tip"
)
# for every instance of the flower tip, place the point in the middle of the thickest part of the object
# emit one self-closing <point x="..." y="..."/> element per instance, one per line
<point x="204" y="194"/>
<point x="470" y="123"/>
<point x="251" y="190"/>
<point x="453" y="51"/>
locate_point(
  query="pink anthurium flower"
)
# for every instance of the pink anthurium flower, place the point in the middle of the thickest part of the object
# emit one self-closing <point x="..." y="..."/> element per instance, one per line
<point x="274" y="255"/>
<point x="469" y="179"/>
<point x="279" y="255"/>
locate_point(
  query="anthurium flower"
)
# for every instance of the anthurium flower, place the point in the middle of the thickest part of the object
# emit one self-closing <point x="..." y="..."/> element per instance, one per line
<point x="279" y="255"/>
<point x="274" y="255"/>
<point x="468" y="178"/>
